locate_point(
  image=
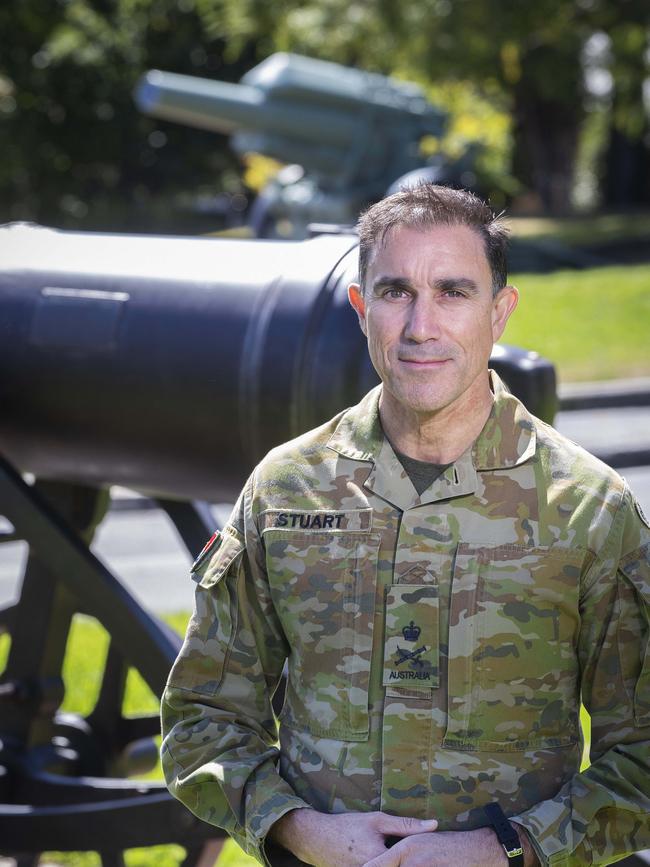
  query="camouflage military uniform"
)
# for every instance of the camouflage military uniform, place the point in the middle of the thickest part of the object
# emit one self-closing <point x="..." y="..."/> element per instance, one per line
<point x="437" y="645"/>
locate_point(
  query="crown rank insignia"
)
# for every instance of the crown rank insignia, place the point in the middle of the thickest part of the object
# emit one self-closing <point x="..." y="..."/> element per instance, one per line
<point x="411" y="632"/>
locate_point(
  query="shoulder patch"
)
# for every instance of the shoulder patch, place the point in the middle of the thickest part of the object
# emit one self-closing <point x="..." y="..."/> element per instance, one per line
<point x="209" y="548"/>
<point x="218" y="558"/>
<point x="644" y="520"/>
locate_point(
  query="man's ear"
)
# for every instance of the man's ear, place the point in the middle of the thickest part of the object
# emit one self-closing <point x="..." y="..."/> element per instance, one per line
<point x="355" y="297"/>
<point x="502" y="306"/>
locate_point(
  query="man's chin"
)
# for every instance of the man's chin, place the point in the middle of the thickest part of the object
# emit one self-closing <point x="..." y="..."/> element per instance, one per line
<point x="422" y="401"/>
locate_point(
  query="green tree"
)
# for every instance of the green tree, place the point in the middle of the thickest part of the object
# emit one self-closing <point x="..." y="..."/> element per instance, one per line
<point x="530" y="53"/>
<point x="75" y="149"/>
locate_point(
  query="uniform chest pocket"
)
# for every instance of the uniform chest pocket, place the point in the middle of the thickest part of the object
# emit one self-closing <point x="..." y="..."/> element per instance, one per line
<point x="323" y="586"/>
<point x="513" y="671"/>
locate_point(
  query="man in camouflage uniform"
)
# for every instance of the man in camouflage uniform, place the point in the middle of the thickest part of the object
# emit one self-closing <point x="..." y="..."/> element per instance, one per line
<point x="446" y="576"/>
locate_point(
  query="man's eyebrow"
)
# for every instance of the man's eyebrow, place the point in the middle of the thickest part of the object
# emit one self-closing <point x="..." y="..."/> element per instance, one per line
<point x="456" y="283"/>
<point x="388" y="282"/>
<point x="444" y="285"/>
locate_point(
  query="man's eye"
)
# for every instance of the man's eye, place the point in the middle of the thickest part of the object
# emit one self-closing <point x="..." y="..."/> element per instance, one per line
<point x="395" y="293"/>
<point x="453" y="293"/>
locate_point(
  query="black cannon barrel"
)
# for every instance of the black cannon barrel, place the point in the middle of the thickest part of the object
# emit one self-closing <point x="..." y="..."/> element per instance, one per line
<point x="171" y="365"/>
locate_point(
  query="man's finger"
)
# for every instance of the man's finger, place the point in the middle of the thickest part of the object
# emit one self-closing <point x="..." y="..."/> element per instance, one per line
<point x="403" y="826"/>
<point x="389" y="858"/>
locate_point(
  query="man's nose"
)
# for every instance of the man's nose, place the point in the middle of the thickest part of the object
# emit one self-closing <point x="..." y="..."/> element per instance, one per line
<point x="423" y="322"/>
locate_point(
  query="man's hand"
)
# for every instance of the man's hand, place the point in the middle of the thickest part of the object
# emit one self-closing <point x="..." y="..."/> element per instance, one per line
<point x="479" y="848"/>
<point x="343" y="839"/>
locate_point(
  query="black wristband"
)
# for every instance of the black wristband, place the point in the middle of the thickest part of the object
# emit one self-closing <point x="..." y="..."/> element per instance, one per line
<point x="506" y="835"/>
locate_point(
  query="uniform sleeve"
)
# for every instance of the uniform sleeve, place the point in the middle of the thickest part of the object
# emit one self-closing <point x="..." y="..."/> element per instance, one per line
<point x="603" y="813"/>
<point x="220" y="751"/>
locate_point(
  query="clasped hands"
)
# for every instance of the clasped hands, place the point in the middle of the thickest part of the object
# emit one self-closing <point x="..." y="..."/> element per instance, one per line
<point x="360" y="840"/>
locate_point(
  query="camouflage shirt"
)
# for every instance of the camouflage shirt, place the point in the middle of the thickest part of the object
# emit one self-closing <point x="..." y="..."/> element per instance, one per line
<point x="437" y="645"/>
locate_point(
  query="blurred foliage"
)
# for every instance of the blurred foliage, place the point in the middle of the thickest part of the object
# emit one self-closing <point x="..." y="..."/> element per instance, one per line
<point x="77" y="152"/>
<point x="523" y="58"/>
<point x="75" y="148"/>
<point x="479" y="123"/>
<point x="259" y="170"/>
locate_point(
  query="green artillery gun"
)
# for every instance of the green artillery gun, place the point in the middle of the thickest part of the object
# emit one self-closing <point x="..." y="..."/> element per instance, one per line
<point x="347" y="135"/>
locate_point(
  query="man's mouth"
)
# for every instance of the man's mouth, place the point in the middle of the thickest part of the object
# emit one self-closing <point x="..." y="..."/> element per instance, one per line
<point x="425" y="362"/>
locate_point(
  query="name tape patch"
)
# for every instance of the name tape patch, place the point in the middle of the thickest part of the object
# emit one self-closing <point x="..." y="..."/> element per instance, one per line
<point x="317" y="519"/>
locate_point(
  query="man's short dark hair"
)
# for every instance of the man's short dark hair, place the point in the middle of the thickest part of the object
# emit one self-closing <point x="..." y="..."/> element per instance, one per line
<point x="427" y="205"/>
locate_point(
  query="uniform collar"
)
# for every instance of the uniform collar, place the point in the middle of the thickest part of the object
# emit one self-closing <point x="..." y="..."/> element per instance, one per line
<point x="508" y="436"/>
<point x="359" y="434"/>
<point x="507" y="440"/>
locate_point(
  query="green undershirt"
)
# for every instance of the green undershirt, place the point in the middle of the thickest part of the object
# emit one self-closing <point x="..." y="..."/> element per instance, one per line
<point x="421" y="473"/>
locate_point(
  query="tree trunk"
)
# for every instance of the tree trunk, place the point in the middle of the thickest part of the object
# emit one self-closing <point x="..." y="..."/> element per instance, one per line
<point x="547" y="115"/>
<point x="626" y="180"/>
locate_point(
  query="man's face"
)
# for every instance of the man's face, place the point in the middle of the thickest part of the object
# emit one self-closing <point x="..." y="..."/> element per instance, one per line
<point x="430" y="318"/>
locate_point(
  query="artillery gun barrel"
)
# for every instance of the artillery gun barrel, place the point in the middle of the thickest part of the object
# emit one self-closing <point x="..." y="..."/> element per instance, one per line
<point x="172" y="365"/>
<point x="227" y="108"/>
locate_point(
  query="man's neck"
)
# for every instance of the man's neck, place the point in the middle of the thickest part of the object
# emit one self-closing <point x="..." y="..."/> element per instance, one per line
<point x="439" y="437"/>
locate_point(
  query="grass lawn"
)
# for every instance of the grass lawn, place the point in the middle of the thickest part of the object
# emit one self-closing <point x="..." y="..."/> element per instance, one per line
<point x="591" y="324"/>
<point x="85" y="656"/>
